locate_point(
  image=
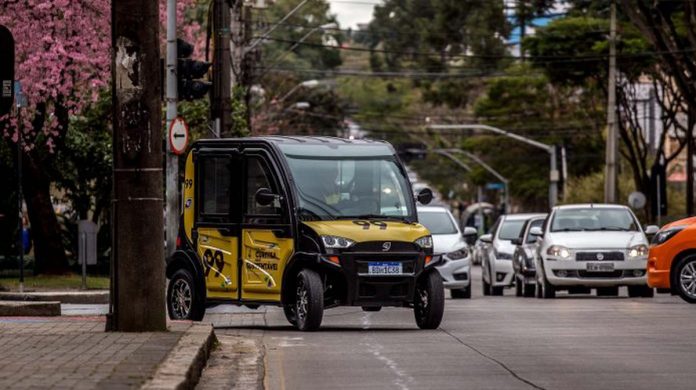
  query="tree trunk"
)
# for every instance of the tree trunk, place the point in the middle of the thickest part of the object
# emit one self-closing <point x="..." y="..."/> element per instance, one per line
<point x="49" y="251"/>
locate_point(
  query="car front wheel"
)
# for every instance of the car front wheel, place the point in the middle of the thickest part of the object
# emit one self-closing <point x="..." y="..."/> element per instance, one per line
<point x="309" y="301"/>
<point x="429" y="302"/>
<point x="685" y="278"/>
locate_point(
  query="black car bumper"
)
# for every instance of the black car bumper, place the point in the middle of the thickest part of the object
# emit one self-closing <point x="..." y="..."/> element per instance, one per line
<point x="365" y="289"/>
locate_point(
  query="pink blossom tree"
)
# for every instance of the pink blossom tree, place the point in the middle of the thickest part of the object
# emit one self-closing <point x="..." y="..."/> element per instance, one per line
<point x="63" y="58"/>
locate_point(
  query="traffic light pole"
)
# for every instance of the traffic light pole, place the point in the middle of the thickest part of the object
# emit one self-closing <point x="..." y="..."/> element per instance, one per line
<point x="172" y="183"/>
<point x="221" y="92"/>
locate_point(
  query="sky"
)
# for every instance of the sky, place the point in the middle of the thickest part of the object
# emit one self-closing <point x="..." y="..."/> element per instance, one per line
<point x="351" y="12"/>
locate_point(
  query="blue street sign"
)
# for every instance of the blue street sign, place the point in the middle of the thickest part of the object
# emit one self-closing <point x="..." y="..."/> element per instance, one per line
<point x="495" y="186"/>
<point x="20" y="98"/>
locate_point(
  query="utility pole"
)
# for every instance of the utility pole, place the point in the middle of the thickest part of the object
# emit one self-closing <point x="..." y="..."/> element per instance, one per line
<point x="172" y="212"/>
<point x="220" y="99"/>
<point x="610" y="177"/>
<point x="137" y="270"/>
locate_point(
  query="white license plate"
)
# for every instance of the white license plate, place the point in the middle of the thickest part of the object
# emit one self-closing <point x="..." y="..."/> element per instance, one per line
<point x="384" y="268"/>
<point x="600" y="267"/>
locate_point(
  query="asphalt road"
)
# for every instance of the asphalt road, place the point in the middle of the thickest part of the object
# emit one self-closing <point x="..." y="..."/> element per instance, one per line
<point x="572" y="342"/>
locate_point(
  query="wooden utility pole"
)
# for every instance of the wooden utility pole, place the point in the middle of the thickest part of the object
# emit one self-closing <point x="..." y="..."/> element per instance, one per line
<point x="610" y="178"/>
<point x="220" y="110"/>
<point x="137" y="270"/>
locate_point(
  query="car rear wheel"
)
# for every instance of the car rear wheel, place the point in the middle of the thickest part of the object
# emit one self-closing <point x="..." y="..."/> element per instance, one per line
<point x="429" y="302"/>
<point x="685" y="275"/>
<point x="372" y="308"/>
<point x="183" y="300"/>
<point x="309" y="301"/>
<point x="519" y="287"/>
<point x="461" y="293"/>
<point x="528" y="289"/>
<point x="607" y="291"/>
<point x="640" y="292"/>
<point x="486" y="287"/>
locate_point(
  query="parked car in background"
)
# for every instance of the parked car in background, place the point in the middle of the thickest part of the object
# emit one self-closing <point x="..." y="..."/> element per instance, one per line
<point x="672" y="259"/>
<point x="477" y="251"/>
<point x="586" y="246"/>
<point x="450" y="243"/>
<point x="523" y="258"/>
<point x="497" y="272"/>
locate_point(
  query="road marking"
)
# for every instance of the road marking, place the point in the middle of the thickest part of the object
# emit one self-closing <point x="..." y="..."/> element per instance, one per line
<point x="375" y="348"/>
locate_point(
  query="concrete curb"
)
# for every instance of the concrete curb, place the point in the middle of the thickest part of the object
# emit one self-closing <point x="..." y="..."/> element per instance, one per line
<point x="75" y="297"/>
<point x="183" y="366"/>
<point x="29" y="309"/>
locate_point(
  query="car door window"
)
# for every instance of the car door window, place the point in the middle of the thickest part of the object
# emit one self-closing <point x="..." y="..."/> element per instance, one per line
<point x="259" y="176"/>
<point x="216" y="182"/>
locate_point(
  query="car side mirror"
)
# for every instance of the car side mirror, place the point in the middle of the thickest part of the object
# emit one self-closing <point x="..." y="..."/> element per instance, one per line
<point x="469" y="231"/>
<point x="486" y="238"/>
<point x="265" y="196"/>
<point x="651" y="230"/>
<point x="425" y="196"/>
<point x="516" y="241"/>
<point x="536" y="231"/>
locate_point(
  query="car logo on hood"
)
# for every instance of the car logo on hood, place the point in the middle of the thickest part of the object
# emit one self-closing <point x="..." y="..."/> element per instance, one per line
<point x="600" y="256"/>
<point x="386" y="246"/>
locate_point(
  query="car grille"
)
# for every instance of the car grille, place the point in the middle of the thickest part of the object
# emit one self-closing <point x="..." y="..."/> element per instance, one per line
<point x="378" y="246"/>
<point x="599" y="256"/>
<point x="597" y="275"/>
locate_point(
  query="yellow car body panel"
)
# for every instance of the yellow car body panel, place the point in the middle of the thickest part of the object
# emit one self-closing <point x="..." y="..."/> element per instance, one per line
<point x="363" y="230"/>
<point x="264" y="259"/>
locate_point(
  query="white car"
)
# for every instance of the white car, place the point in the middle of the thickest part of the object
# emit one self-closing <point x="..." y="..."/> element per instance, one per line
<point x="592" y="246"/>
<point x="449" y="242"/>
<point x="496" y="260"/>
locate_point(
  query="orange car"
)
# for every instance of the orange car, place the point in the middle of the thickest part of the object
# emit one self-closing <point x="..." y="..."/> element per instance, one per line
<point x="672" y="259"/>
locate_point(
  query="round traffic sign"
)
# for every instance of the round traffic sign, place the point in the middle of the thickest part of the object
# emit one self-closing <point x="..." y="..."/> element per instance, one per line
<point x="637" y="200"/>
<point x="178" y="135"/>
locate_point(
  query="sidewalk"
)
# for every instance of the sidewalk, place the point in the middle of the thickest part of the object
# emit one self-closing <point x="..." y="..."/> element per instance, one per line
<point x="75" y="352"/>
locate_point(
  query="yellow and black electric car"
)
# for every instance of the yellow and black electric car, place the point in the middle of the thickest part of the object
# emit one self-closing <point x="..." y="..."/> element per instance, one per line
<point x="305" y="223"/>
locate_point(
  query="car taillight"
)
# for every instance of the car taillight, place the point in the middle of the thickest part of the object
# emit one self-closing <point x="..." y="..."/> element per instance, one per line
<point x="178" y="242"/>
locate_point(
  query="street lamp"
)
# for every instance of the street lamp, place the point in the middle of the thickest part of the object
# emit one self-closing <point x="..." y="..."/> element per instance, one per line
<point x="304" y="84"/>
<point x="327" y="26"/>
<point x="550" y="149"/>
<point x="503" y="179"/>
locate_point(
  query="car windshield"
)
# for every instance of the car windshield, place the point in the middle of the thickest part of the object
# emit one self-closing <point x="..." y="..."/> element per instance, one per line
<point x="510" y="229"/>
<point x="593" y="219"/>
<point x="351" y="187"/>
<point x="438" y="222"/>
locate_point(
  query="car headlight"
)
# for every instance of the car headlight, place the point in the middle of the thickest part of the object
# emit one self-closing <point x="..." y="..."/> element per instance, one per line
<point x="638" y="251"/>
<point x="458" y="254"/>
<point x="425" y="242"/>
<point x="502" y="255"/>
<point x="558" y="251"/>
<point x="335" y="242"/>
<point x="663" y="235"/>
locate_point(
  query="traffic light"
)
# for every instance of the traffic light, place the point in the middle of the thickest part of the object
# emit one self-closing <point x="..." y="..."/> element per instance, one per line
<point x="189" y="72"/>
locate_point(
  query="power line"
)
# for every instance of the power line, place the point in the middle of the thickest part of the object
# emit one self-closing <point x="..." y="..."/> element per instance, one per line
<point x="536" y="59"/>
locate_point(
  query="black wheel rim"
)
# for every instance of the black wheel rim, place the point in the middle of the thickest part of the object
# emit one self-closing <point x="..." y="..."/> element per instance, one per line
<point x="181" y="299"/>
<point x="302" y="304"/>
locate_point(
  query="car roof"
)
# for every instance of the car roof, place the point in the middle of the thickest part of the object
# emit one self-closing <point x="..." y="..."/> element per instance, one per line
<point x="296" y="139"/>
<point x="590" y="206"/>
<point x="518" y="217"/>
